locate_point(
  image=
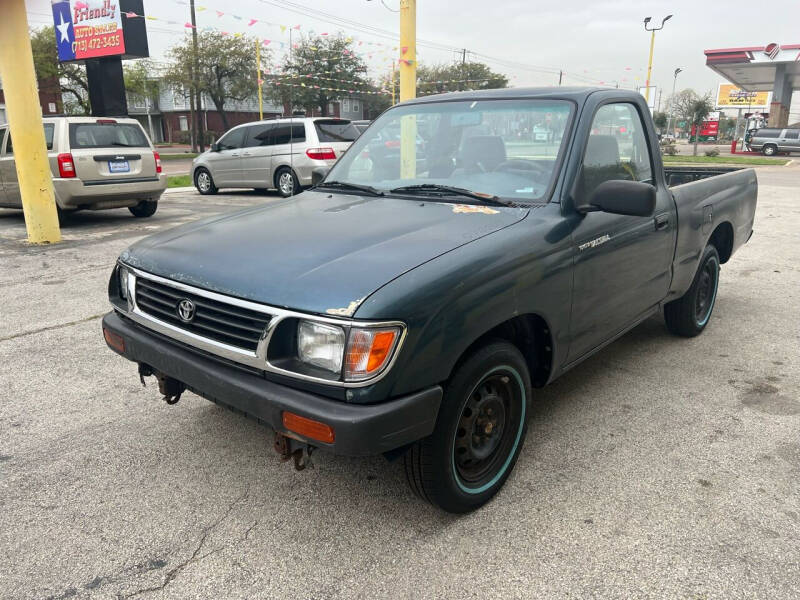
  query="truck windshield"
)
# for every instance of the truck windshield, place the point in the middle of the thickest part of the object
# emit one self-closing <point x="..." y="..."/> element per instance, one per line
<point x="503" y="148"/>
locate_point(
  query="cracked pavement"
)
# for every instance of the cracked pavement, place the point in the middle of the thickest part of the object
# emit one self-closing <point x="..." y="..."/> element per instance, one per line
<point x="661" y="467"/>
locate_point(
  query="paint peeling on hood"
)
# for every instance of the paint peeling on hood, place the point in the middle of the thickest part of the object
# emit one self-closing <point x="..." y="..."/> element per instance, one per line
<point x="473" y="209"/>
<point x="347" y="311"/>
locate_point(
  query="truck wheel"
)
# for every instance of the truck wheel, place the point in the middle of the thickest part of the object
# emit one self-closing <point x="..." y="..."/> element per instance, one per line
<point x="688" y="315"/>
<point x="479" y="432"/>
<point x="286" y="182"/>
<point x="204" y="182"/>
<point x="145" y="208"/>
<point x="769" y="150"/>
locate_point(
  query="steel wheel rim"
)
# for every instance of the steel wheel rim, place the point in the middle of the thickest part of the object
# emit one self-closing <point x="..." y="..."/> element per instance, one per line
<point x="286" y="183"/>
<point x="706" y="292"/>
<point x="485" y="433"/>
<point x="203" y="181"/>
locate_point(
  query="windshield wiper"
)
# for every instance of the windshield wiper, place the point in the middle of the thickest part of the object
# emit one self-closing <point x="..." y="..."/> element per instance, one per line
<point x="344" y="185"/>
<point x="449" y="189"/>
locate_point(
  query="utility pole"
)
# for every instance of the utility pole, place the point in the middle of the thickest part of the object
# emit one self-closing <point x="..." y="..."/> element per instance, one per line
<point x="408" y="87"/>
<point x="672" y="99"/>
<point x="25" y="125"/>
<point x="560" y="76"/>
<point x="258" y="81"/>
<point x="652" y="44"/>
<point x="197" y="95"/>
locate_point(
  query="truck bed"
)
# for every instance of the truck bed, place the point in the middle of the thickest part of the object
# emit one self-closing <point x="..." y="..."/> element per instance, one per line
<point x="714" y="201"/>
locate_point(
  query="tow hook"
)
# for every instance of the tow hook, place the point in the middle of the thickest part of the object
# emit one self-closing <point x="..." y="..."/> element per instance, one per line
<point x="170" y="388"/>
<point x="289" y="448"/>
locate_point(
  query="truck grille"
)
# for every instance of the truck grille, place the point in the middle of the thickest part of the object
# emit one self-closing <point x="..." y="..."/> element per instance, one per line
<point x="212" y="319"/>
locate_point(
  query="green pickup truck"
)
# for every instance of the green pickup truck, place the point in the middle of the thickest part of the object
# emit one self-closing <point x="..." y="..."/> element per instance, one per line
<point x="411" y="303"/>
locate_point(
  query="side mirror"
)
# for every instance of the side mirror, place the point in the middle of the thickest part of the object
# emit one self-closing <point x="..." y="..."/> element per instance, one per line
<point x="214" y="147"/>
<point x="318" y="174"/>
<point x="622" y="197"/>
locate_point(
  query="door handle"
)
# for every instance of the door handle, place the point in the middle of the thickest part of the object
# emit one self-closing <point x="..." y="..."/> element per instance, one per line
<point x="245" y="154"/>
<point x="661" y="221"/>
<point x="234" y="154"/>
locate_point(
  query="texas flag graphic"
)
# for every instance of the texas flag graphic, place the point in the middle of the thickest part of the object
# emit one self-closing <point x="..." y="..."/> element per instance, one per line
<point x="87" y="29"/>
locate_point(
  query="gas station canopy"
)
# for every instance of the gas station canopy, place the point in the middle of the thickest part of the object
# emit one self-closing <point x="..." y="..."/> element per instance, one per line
<point x="772" y="67"/>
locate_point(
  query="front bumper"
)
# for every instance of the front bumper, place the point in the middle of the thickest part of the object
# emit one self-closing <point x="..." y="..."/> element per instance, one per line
<point x="360" y="430"/>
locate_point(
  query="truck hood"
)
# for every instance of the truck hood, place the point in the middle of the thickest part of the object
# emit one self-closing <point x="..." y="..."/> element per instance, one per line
<point x="316" y="252"/>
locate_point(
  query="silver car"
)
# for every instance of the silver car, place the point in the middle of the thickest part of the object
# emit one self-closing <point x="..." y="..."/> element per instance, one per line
<point x="97" y="163"/>
<point x="279" y="154"/>
<point x="769" y="141"/>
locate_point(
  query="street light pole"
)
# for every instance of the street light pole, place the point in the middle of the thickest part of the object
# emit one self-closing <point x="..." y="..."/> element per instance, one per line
<point x="652" y="44"/>
<point x="672" y="98"/>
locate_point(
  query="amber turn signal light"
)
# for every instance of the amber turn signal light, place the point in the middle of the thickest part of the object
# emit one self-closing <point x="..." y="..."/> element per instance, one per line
<point x="368" y="351"/>
<point x="115" y="341"/>
<point x="308" y="427"/>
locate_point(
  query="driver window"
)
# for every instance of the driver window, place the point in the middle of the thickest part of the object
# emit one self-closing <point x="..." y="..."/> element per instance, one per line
<point x="232" y="140"/>
<point x="616" y="149"/>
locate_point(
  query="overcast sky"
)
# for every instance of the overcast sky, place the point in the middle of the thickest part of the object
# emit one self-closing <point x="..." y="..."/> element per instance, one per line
<point x="600" y="40"/>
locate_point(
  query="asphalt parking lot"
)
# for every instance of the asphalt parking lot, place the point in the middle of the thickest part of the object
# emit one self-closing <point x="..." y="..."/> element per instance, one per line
<point x="661" y="467"/>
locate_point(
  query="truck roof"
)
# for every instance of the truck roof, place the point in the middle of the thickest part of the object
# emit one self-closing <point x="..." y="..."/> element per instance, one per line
<point x="578" y="94"/>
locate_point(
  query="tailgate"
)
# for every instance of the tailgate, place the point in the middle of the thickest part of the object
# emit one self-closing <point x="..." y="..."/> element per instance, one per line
<point x="106" y="150"/>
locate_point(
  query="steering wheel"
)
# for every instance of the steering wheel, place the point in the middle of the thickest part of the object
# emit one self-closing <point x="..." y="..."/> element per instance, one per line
<point x="518" y="164"/>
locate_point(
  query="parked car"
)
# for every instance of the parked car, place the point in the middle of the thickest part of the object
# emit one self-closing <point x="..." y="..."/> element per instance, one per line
<point x="278" y="153"/>
<point x="97" y="163"/>
<point x="415" y="316"/>
<point x="769" y="141"/>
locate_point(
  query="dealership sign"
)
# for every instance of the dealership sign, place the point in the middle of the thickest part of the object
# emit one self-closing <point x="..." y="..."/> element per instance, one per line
<point x="88" y="29"/>
<point x="730" y="96"/>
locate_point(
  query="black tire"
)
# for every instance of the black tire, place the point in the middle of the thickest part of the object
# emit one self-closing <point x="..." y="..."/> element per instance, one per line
<point x="204" y="182"/>
<point x="145" y="208"/>
<point x="283" y="177"/>
<point x="689" y="315"/>
<point x="769" y="150"/>
<point x="479" y="432"/>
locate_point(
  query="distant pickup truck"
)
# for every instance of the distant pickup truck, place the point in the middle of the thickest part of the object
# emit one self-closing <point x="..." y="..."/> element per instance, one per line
<point x="411" y="307"/>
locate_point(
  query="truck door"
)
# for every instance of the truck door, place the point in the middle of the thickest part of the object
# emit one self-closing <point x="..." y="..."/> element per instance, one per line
<point x="622" y="264"/>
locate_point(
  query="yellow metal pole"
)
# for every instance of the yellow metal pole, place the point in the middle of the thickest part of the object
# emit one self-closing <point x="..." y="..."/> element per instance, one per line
<point x="258" y="80"/>
<point x="25" y="125"/>
<point x="649" y="68"/>
<point x="408" y="87"/>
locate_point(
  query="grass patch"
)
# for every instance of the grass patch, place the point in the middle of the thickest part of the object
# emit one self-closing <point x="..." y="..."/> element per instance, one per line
<point x="182" y="156"/>
<point x="724" y="160"/>
<point x="174" y="181"/>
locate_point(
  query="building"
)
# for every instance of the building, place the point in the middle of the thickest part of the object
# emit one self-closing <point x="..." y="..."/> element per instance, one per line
<point x="166" y="116"/>
<point x="49" y="99"/>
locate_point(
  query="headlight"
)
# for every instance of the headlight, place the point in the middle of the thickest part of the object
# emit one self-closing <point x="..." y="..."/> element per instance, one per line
<point x="366" y="352"/>
<point x="122" y="274"/>
<point x="320" y="345"/>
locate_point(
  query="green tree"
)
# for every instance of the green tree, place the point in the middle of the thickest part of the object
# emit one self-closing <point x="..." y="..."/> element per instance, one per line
<point x="436" y="79"/>
<point x="71" y="77"/>
<point x="227" y="68"/>
<point x="318" y="71"/>
<point x="700" y="109"/>
<point x="660" y="119"/>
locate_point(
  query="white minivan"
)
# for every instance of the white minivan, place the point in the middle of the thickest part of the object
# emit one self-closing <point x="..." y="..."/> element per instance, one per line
<point x="274" y="154"/>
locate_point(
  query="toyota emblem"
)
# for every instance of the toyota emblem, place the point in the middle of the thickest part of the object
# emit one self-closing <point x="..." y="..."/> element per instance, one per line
<point x="186" y="310"/>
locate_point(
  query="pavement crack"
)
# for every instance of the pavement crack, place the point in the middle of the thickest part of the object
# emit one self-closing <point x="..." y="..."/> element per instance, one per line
<point x="195" y="556"/>
<point x="50" y="328"/>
